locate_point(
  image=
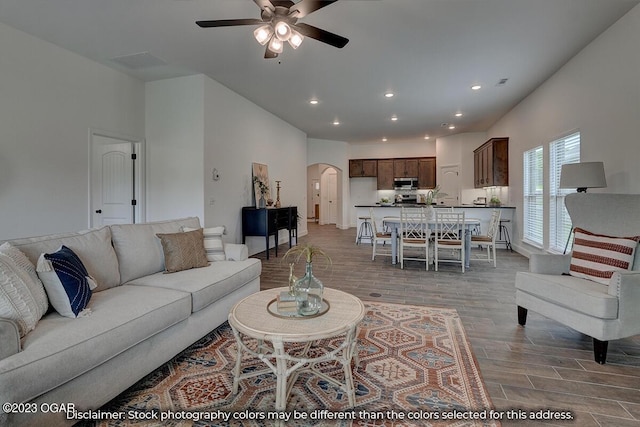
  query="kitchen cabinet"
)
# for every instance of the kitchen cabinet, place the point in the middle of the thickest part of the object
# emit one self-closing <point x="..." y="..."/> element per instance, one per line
<point x="491" y="163"/>
<point x="405" y="168"/>
<point x="363" y="168"/>
<point x="427" y="172"/>
<point x="385" y="174"/>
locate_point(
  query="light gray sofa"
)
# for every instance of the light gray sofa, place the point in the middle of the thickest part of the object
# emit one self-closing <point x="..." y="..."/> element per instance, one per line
<point x="140" y="319"/>
<point x="603" y="312"/>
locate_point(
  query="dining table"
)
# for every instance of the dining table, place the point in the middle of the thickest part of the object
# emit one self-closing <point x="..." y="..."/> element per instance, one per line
<point x="393" y="223"/>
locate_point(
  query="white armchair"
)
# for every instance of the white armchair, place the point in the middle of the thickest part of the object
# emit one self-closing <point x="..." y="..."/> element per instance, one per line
<point x="603" y="312"/>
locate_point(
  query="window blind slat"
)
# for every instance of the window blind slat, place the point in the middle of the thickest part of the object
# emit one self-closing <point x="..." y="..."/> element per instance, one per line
<point x="561" y="151"/>
<point x="533" y="196"/>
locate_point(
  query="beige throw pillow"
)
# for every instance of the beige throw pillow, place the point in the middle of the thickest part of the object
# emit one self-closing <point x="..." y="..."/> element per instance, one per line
<point x="22" y="295"/>
<point x="183" y="251"/>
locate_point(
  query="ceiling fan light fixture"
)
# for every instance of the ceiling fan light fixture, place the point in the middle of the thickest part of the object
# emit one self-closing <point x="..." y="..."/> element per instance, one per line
<point x="296" y="39"/>
<point x="263" y="34"/>
<point x="282" y="30"/>
<point x="275" y="45"/>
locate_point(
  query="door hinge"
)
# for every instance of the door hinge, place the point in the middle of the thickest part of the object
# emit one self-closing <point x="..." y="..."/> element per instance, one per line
<point x="134" y="156"/>
<point x="134" y="202"/>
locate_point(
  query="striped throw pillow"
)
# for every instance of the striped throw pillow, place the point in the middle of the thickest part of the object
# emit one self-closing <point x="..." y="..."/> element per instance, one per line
<point x="213" y="243"/>
<point x="597" y="257"/>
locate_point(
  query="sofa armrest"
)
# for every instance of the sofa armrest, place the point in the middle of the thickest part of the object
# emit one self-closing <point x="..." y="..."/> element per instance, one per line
<point x="626" y="286"/>
<point x="236" y="251"/>
<point x="9" y="338"/>
<point x="549" y="263"/>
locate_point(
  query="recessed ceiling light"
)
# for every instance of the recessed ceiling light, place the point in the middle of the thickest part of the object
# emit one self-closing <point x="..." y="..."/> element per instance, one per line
<point x="394" y="118"/>
<point x="336" y="122"/>
<point x="458" y="114"/>
<point x="313" y="101"/>
<point x="452" y="127"/>
<point x="427" y="137"/>
<point x="384" y="139"/>
<point x="476" y="87"/>
<point x="389" y="94"/>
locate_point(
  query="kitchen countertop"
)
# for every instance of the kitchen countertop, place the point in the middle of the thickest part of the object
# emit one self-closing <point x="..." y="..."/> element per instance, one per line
<point x="413" y="205"/>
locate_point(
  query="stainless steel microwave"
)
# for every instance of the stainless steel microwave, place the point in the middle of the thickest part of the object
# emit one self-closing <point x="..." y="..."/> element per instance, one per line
<point x="405" y="183"/>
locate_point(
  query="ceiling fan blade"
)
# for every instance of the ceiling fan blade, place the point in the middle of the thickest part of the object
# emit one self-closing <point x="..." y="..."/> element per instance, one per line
<point x="305" y="7"/>
<point x="269" y="54"/>
<point x="264" y="4"/>
<point x="321" y="35"/>
<point x="229" y="22"/>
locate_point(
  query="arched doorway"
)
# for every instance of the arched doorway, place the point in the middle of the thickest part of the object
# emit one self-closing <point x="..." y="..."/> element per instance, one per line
<point x="324" y="195"/>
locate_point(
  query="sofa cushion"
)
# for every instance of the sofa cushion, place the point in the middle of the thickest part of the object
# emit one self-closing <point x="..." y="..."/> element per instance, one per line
<point x="66" y="280"/>
<point x="93" y="247"/>
<point x="138" y="248"/>
<point x="584" y="296"/>
<point x="213" y="243"/>
<point x="596" y="256"/>
<point x="183" y="251"/>
<point x="208" y="284"/>
<point x="22" y="296"/>
<point x="61" y="349"/>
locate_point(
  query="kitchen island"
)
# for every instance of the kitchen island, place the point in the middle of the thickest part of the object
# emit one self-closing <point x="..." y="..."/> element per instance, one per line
<point x="481" y="212"/>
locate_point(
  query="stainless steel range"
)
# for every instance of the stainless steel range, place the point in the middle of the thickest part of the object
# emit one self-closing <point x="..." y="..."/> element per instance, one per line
<point x="406" y="198"/>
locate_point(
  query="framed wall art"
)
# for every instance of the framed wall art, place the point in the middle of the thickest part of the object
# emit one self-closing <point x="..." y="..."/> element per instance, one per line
<point x="260" y="179"/>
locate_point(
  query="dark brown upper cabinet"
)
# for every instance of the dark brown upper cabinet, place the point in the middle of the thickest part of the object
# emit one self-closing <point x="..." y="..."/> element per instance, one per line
<point x="491" y="163"/>
<point x="385" y="174"/>
<point x="363" y="168"/>
<point x="427" y="172"/>
<point x="405" y="168"/>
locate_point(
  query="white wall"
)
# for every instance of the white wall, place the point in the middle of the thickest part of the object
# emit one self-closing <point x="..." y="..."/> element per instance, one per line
<point x="195" y="125"/>
<point x="49" y="99"/>
<point x="238" y="133"/>
<point x="389" y="150"/>
<point x="597" y="93"/>
<point x="175" y="146"/>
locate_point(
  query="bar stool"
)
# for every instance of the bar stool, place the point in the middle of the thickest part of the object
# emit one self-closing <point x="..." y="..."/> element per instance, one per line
<point x="365" y="231"/>
<point x="506" y="240"/>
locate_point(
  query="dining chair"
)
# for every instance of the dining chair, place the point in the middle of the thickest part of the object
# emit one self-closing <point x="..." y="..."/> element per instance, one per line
<point x="489" y="240"/>
<point x="450" y="231"/>
<point x="414" y="235"/>
<point x="380" y="238"/>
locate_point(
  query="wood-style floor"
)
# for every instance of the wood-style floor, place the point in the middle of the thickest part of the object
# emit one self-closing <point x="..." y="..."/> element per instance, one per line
<point x="541" y="366"/>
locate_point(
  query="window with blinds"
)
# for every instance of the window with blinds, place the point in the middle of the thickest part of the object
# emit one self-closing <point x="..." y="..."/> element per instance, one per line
<point x="561" y="151"/>
<point x="533" y="197"/>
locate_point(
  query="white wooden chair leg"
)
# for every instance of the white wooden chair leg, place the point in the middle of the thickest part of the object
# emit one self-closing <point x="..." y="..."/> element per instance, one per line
<point x="494" y="255"/>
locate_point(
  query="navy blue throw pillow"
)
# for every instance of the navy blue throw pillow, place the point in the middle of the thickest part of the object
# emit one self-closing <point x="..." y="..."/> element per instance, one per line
<point x="66" y="281"/>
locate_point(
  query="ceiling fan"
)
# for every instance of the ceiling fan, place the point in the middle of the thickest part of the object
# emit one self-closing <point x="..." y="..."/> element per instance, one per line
<point x="279" y="24"/>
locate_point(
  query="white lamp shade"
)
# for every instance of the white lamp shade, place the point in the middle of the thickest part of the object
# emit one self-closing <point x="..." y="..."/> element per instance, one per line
<point x="263" y="34"/>
<point x="583" y="175"/>
<point x="296" y="39"/>
<point x="282" y="30"/>
<point x="275" y="45"/>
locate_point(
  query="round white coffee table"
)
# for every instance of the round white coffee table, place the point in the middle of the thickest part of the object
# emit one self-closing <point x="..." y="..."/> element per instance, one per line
<point x="251" y="320"/>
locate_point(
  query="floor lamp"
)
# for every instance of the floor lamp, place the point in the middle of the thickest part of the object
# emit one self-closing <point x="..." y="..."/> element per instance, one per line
<point x="582" y="176"/>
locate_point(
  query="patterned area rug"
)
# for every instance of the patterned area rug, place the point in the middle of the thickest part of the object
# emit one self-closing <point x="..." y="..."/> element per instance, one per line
<point x="416" y="369"/>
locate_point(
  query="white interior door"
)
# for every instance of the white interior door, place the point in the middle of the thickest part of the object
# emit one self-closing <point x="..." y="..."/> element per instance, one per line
<point x="112" y="198"/>
<point x="450" y="185"/>
<point x="332" y="190"/>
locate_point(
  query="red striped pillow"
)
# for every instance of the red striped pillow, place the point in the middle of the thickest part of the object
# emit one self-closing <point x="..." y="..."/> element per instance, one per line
<point x="596" y="257"/>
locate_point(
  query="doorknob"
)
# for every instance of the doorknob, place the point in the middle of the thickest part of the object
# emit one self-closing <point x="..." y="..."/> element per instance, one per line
<point x="99" y="211"/>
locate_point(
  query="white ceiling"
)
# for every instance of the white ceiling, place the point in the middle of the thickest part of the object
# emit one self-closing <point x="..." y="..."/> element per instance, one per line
<point x="428" y="52"/>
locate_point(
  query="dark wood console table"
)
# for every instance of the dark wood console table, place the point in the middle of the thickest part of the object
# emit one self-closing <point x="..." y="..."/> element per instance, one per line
<point x="268" y="221"/>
